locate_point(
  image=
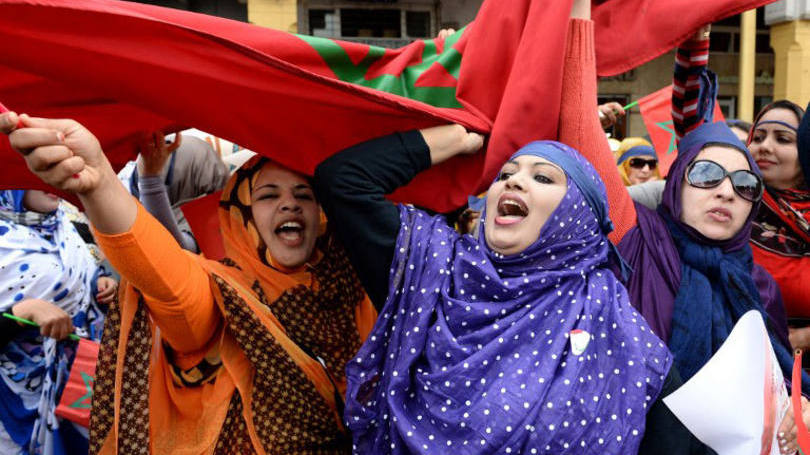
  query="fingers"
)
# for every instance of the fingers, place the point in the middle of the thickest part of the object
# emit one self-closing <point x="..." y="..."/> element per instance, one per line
<point x="8" y="122"/>
<point x="57" y="328"/>
<point x="26" y="139"/>
<point x="107" y="295"/>
<point x="45" y="157"/>
<point x="59" y="172"/>
<point x="66" y="126"/>
<point x="445" y="32"/>
<point x="473" y="142"/>
<point x="178" y="139"/>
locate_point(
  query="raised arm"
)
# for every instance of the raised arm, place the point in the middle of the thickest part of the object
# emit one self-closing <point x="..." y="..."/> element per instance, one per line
<point x="175" y="287"/>
<point x="694" y="87"/>
<point x="579" y="123"/>
<point x="351" y="187"/>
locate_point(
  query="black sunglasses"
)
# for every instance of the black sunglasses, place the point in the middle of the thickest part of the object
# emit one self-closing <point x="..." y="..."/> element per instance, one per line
<point x="639" y="163"/>
<point x="708" y="174"/>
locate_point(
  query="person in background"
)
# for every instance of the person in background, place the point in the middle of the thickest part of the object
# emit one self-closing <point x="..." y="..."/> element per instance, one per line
<point x="740" y="128"/>
<point x="48" y="276"/>
<point x="781" y="235"/>
<point x="167" y="175"/>
<point x="637" y="161"/>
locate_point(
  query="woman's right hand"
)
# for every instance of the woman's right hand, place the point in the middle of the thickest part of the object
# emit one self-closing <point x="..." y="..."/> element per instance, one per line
<point x="65" y="155"/>
<point x="447" y="141"/>
<point x="62" y="153"/>
<point x="53" y="321"/>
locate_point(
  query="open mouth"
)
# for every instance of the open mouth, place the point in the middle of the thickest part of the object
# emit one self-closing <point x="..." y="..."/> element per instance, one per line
<point x="511" y="210"/>
<point x="291" y="233"/>
<point x="720" y="214"/>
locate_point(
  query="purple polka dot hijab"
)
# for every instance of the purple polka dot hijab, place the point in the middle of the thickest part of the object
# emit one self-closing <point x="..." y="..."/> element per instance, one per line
<point x="476" y="352"/>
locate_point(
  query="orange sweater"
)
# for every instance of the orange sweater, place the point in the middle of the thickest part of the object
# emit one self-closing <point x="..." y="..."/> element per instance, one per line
<point x="175" y="287"/>
<point x="580" y="127"/>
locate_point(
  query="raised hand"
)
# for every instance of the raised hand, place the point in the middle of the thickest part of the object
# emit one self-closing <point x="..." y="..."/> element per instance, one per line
<point x="62" y="153"/>
<point x="155" y="152"/>
<point x="609" y="113"/>
<point x="447" y="141"/>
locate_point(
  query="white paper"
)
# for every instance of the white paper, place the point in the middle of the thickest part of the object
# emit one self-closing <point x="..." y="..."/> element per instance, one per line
<point x="735" y="403"/>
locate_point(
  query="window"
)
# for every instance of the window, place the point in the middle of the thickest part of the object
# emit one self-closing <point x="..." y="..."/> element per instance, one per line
<point x="377" y="23"/>
<point x="373" y="22"/>
<point x="417" y="24"/>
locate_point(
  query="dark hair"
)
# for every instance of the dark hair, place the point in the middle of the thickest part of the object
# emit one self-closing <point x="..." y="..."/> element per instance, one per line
<point x="739" y="124"/>
<point x="781" y="104"/>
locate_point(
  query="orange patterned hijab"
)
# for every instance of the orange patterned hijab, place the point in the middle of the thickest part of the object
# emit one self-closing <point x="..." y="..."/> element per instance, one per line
<point x="272" y="378"/>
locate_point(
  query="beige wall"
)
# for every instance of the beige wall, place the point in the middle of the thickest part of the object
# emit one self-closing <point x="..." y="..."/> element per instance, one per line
<point x="277" y="14"/>
<point x="791" y="43"/>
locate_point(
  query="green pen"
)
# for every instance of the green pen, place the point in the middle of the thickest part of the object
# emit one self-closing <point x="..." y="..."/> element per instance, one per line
<point x="72" y="336"/>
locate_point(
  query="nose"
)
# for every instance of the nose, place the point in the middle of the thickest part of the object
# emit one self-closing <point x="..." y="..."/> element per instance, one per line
<point x="515" y="181"/>
<point x="725" y="190"/>
<point x="289" y="203"/>
<point x="766" y="146"/>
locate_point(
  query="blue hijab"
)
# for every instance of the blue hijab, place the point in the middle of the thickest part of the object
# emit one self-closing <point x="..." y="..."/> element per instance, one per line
<point x="479" y="352"/>
<point x="717" y="278"/>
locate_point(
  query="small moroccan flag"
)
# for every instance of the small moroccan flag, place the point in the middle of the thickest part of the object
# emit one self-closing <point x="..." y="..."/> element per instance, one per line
<point x="656" y="110"/>
<point x="77" y="397"/>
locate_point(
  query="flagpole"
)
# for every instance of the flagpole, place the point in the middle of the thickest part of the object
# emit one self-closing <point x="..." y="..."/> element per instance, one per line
<point x="631" y="105"/>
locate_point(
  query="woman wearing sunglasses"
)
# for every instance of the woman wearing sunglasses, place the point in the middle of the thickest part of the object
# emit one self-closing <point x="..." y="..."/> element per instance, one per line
<point x="780" y="236"/>
<point x="694" y="274"/>
<point x="637" y="161"/>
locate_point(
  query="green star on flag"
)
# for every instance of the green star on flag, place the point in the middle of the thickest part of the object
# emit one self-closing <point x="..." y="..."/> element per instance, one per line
<point x="84" y="402"/>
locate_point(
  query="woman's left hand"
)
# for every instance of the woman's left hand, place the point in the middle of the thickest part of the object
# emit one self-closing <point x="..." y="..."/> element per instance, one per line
<point x="787" y="434"/>
<point x="107" y="288"/>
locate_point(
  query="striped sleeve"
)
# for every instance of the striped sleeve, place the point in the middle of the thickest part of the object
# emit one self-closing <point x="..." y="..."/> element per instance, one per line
<point x="691" y="62"/>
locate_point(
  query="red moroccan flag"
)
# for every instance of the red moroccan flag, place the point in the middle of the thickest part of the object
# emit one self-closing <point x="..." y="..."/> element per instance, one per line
<point x="656" y="110"/>
<point x="203" y="219"/>
<point x="125" y="68"/>
<point x="77" y="396"/>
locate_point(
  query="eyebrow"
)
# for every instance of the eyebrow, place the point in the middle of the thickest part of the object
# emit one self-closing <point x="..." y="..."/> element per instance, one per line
<point x="777" y="130"/>
<point x="551" y="165"/>
<point x="273" y="186"/>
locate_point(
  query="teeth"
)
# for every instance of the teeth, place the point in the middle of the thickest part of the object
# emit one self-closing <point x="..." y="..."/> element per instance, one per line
<point x="510" y="207"/>
<point x="291" y="224"/>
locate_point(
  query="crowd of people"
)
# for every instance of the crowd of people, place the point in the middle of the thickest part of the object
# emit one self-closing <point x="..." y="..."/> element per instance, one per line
<point x="553" y="315"/>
